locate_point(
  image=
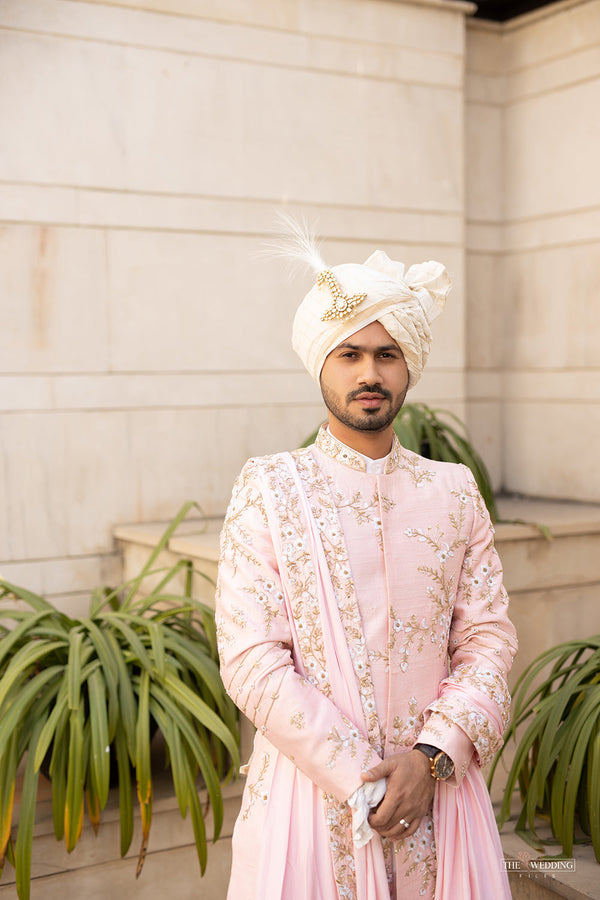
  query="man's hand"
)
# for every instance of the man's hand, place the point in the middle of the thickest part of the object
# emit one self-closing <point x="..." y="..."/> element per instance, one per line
<point x="410" y="789"/>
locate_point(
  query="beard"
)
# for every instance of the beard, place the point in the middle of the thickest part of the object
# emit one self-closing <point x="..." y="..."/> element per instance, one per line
<point x="372" y="420"/>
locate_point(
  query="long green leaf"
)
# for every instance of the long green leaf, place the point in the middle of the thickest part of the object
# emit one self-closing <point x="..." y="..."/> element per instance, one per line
<point x="99" y="748"/>
<point x="142" y="735"/>
<point x="8" y="773"/>
<point x="92" y="802"/>
<point x="198" y="750"/>
<point x="197" y="822"/>
<point x="203" y="667"/>
<point x="135" y="645"/>
<point x="49" y="729"/>
<point x="157" y="640"/>
<point x="27" y="820"/>
<point x="566" y="783"/>
<point x="104" y="652"/>
<point x="75" y="778"/>
<point x="177" y="756"/>
<point x="24" y="660"/>
<point x="170" y="573"/>
<point x="20" y="633"/>
<point x="201" y="711"/>
<point x="593" y="792"/>
<point x="27" y="694"/>
<point x="74" y="667"/>
<point x="125" y="793"/>
<point x="59" y="784"/>
<point x="556" y="706"/>
<point x="127" y="702"/>
<point x="161" y="545"/>
<point x="34" y="600"/>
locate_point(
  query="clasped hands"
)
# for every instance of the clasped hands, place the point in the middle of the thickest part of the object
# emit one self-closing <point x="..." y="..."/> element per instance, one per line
<point x="410" y="789"/>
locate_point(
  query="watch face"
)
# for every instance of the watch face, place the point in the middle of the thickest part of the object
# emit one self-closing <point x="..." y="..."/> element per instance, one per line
<point x="444" y="767"/>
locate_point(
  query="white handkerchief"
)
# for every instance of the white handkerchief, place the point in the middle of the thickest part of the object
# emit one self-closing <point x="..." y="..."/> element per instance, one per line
<point x="361" y="803"/>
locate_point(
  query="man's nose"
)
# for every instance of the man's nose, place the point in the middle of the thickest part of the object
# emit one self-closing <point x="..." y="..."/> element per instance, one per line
<point x="369" y="371"/>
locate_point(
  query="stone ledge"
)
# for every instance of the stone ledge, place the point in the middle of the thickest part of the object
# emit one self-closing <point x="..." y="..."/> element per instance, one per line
<point x="581" y="884"/>
<point x="561" y="517"/>
<point x="194" y="537"/>
<point x="200" y="536"/>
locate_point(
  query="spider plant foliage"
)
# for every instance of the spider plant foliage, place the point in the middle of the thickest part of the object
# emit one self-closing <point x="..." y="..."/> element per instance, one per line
<point x="85" y="696"/>
<point x="556" y="710"/>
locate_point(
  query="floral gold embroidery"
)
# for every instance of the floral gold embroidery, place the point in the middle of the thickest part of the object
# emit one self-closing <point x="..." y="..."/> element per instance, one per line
<point x="419" y="855"/>
<point x="405" y="732"/>
<point x="269" y="596"/>
<point x="256" y="790"/>
<point x="235" y="539"/>
<point x="366" y="512"/>
<point x="341" y="845"/>
<point x="347" y="457"/>
<point x="415" y="467"/>
<point x="442" y="591"/>
<point x="348" y="742"/>
<point x="323" y="508"/>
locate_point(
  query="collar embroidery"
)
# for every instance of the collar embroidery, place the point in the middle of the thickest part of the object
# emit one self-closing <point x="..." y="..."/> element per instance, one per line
<point x="334" y="449"/>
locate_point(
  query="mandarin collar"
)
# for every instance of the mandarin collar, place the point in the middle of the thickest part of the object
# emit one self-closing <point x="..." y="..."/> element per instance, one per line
<point x="334" y="449"/>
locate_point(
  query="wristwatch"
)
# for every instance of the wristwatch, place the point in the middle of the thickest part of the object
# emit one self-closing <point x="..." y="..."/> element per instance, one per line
<point x="442" y="766"/>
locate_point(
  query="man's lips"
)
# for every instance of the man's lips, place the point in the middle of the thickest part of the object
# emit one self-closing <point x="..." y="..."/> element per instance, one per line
<point x="369" y="400"/>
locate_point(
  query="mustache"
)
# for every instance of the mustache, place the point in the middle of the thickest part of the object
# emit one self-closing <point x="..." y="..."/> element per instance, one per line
<point x="370" y="389"/>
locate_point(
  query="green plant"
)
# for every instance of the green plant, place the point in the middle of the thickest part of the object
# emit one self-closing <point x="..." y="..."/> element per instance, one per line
<point x="557" y="760"/>
<point x="82" y="692"/>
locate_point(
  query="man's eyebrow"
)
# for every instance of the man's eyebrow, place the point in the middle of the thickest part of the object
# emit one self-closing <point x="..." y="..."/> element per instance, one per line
<point x="346" y="345"/>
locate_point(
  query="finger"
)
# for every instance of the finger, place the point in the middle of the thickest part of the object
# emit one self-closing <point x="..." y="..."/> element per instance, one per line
<point x="398" y="832"/>
<point x="386" y="814"/>
<point x="381" y="770"/>
<point x="414" y="826"/>
<point x="388" y="819"/>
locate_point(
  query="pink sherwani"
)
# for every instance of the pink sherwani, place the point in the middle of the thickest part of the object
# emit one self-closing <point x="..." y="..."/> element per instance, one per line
<point x="357" y="614"/>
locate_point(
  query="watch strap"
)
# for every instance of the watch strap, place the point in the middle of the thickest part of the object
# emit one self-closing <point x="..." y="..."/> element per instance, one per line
<point x="435" y="756"/>
<point x="428" y="749"/>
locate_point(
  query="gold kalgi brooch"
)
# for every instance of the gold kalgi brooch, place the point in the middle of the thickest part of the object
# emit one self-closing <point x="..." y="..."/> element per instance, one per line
<point x="342" y="304"/>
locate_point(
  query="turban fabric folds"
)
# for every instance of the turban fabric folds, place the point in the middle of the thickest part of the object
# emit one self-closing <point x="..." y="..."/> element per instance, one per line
<point x="378" y="291"/>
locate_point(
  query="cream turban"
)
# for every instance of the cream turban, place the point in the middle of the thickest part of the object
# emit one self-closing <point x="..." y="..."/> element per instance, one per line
<point x="351" y="296"/>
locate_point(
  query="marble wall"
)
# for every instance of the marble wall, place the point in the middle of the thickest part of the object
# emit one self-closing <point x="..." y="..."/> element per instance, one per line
<point x="146" y="145"/>
<point x="533" y="238"/>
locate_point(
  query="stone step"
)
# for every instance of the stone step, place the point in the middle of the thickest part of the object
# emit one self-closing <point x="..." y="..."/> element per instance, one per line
<point x="96" y="871"/>
<point x="533" y="878"/>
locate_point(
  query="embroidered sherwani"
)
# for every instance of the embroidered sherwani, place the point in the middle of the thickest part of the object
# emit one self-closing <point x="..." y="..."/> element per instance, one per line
<point x="358" y="614"/>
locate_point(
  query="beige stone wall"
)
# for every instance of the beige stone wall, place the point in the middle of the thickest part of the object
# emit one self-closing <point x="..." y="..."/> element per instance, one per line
<point x="533" y="237"/>
<point x="145" y="145"/>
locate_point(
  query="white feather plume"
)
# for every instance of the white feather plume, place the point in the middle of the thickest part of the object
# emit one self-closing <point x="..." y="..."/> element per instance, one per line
<point x="296" y="241"/>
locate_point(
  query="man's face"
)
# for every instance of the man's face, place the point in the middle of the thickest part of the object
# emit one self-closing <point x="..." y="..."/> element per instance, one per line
<point x="364" y="380"/>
